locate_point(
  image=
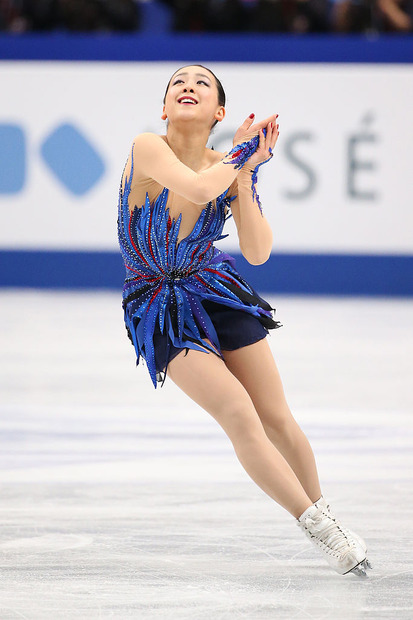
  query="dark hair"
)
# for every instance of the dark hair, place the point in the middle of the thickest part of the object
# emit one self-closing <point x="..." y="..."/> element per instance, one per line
<point x="220" y="88"/>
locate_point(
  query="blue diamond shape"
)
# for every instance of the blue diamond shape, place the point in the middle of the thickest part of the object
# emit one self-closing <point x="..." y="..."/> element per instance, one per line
<point x="12" y="159"/>
<point x="72" y="159"/>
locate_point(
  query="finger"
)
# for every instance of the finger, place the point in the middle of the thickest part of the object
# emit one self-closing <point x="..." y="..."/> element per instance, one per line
<point x="254" y="129"/>
<point x="267" y="133"/>
<point x="267" y="121"/>
<point x="275" y="135"/>
<point x="248" y="121"/>
<point x="268" y="141"/>
<point x="265" y="145"/>
<point x="260" y="140"/>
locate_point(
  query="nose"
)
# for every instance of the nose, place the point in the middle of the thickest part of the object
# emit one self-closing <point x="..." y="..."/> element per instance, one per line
<point x="186" y="89"/>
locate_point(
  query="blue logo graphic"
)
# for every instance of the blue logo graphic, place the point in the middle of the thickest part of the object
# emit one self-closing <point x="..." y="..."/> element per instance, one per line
<point x="12" y="159"/>
<point x="72" y="159"/>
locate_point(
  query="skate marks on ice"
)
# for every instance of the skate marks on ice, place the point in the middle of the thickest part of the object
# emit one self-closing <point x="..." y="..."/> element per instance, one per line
<point x="116" y="503"/>
<point x="45" y="544"/>
<point x="185" y="551"/>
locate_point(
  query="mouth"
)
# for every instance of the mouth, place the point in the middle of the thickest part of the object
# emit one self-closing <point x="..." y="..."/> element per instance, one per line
<point x="187" y="101"/>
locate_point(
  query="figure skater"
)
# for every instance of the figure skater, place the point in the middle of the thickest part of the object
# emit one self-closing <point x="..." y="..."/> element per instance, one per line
<point x="193" y="318"/>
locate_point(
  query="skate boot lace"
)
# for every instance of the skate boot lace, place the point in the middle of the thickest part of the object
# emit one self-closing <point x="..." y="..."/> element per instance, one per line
<point x="331" y="536"/>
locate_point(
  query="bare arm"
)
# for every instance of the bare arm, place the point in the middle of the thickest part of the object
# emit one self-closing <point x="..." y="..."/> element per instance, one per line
<point x="154" y="159"/>
<point x="254" y="232"/>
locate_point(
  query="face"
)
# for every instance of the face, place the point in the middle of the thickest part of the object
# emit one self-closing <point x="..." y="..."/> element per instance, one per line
<point x="193" y="95"/>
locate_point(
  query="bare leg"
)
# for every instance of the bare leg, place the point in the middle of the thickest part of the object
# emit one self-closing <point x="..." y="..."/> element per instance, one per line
<point x="206" y="379"/>
<point x="255" y="368"/>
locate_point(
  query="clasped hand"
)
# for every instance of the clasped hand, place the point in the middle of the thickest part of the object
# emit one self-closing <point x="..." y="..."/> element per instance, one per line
<point x="249" y="129"/>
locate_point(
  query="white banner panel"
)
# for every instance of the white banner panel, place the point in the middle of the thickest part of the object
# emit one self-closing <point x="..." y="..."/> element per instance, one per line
<point x="340" y="181"/>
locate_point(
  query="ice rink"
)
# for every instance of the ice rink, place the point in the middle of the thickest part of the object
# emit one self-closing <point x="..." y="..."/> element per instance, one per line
<point x="118" y="501"/>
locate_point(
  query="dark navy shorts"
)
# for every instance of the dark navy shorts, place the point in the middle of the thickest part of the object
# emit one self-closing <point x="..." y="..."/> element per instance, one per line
<point x="235" y="329"/>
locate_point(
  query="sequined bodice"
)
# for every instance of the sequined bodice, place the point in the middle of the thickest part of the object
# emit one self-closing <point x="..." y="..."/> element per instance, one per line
<point x="148" y="237"/>
<point x="167" y="280"/>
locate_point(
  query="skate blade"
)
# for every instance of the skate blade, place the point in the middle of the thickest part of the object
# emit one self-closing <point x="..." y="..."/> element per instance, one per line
<point x="360" y="569"/>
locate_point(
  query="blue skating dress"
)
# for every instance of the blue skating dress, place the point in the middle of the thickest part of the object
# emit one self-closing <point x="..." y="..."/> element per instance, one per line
<point x="176" y="295"/>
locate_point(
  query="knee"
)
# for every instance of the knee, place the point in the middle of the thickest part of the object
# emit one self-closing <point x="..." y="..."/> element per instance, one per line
<point x="241" y="422"/>
<point x="281" y="427"/>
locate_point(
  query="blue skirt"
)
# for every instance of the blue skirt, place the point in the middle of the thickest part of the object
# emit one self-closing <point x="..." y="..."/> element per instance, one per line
<point x="235" y="329"/>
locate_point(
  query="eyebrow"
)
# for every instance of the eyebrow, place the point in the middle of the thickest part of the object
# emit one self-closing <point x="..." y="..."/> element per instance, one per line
<point x="197" y="74"/>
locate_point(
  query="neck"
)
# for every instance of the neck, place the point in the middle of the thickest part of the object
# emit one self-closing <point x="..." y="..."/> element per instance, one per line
<point x="188" y="143"/>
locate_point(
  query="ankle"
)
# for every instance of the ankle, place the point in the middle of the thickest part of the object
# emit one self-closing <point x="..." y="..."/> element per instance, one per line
<point x="301" y="509"/>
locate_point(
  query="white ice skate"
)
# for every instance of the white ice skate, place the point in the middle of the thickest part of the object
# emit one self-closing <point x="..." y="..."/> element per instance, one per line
<point x="343" y="553"/>
<point x="322" y="503"/>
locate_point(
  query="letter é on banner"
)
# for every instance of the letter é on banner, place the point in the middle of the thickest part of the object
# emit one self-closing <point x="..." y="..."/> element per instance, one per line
<point x="356" y="165"/>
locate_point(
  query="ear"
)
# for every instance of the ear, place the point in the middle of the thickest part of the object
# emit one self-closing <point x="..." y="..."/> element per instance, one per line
<point x="164" y="115"/>
<point x="220" y="114"/>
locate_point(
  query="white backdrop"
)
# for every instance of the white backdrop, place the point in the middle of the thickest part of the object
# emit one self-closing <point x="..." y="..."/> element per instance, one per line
<point x="341" y="180"/>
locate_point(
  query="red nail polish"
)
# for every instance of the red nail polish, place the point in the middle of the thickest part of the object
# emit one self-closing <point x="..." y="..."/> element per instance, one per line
<point x="252" y="115"/>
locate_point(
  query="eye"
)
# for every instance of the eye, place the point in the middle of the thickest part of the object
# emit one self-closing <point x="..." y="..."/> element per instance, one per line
<point x="178" y="81"/>
<point x="202" y="82"/>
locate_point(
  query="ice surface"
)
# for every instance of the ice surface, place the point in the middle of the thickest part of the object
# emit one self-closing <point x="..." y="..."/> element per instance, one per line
<point x="121" y="502"/>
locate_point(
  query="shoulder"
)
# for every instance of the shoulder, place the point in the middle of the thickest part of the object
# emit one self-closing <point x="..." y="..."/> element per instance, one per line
<point x="149" y="140"/>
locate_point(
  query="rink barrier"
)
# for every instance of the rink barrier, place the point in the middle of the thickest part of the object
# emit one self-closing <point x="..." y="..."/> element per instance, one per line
<point x="226" y="47"/>
<point x="312" y="274"/>
<point x="289" y="273"/>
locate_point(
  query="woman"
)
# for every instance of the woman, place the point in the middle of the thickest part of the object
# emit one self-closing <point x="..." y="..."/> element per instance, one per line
<point x="189" y="313"/>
